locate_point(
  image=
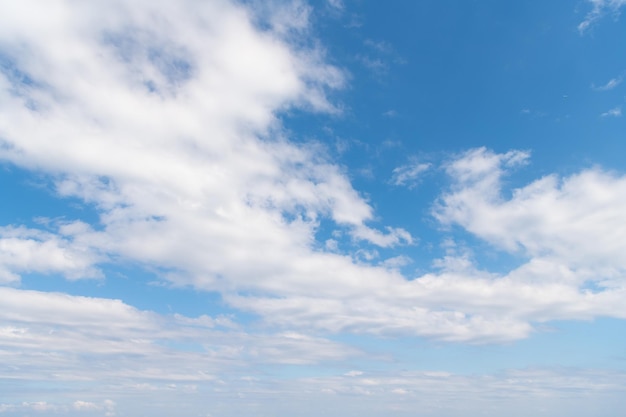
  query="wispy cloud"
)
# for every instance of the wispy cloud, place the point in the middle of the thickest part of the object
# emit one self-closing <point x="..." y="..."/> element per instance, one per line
<point x="614" y="112"/>
<point x="611" y="84"/>
<point x="600" y="8"/>
<point x="409" y="175"/>
<point x="381" y="392"/>
<point x="336" y="4"/>
<point x="379" y="46"/>
<point x="378" y="66"/>
<point x="379" y="57"/>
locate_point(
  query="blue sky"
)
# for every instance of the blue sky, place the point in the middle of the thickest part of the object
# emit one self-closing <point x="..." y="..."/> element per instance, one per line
<point x="338" y="208"/>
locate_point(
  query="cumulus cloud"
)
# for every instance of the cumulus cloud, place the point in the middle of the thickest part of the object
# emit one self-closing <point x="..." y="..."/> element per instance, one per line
<point x="571" y="228"/>
<point x="575" y="218"/>
<point x="25" y="250"/>
<point x="164" y="119"/>
<point x="169" y="129"/>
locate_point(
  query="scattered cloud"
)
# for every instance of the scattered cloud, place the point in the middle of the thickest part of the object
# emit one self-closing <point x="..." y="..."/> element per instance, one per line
<point x="534" y="114"/>
<point x="397" y="262"/>
<point x="379" y="57"/>
<point x="409" y="175"/>
<point x="85" y="405"/>
<point x="138" y="346"/>
<point x="565" y="224"/>
<point x="610" y="85"/>
<point x="379" y="46"/>
<point x="600" y="8"/>
<point x="336" y="4"/>
<point x="393" y="237"/>
<point x="183" y="158"/>
<point x="25" y="250"/>
<point x="377" y="65"/>
<point x="190" y="172"/>
<point x="399" y="392"/>
<point x="614" y="112"/>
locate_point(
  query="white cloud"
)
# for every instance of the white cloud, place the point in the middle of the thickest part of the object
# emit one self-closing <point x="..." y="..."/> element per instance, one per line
<point x="610" y="85"/>
<point x="576" y="218"/>
<point x="379" y="46"/>
<point x="85" y="406"/>
<point x="397" y="262"/>
<point x="81" y="333"/>
<point x="571" y="228"/>
<point x="163" y="117"/>
<point x="336" y="4"/>
<point x="169" y="129"/>
<point x="518" y="392"/>
<point x="377" y="65"/>
<point x="353" y="373"/>
<point x="408" y="175"/>
<point x="40" y="406"/>
<point x="394" y="236"/>
<point x="600" y="8"/>
<point x="614" y="112"/>
<point x="28" y="250"/>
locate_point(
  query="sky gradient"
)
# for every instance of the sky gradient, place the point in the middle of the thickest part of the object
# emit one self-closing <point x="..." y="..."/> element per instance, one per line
<point x="326" y="208"/>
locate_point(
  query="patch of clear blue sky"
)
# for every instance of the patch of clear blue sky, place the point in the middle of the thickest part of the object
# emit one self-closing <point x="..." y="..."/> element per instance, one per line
<point x="30" y="196"/>
<point x="462" y="74"/>
<point x="134" y="285"/>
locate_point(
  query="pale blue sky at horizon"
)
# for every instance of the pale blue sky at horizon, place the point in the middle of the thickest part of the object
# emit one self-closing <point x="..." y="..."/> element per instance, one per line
<point x="325" y="208"/>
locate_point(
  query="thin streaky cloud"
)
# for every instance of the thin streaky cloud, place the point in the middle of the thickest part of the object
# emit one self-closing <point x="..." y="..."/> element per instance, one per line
<point x="600" y="8"/>
<point x="409" y="175"/>
<point x="610" y="85"/>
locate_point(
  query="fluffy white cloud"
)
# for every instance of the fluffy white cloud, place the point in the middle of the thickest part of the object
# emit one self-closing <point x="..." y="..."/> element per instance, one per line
<point x="570" y="229"/>
<point x="576" y="219"/>
<point x="164" y="118"/>
<point x="25" y="250"/>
